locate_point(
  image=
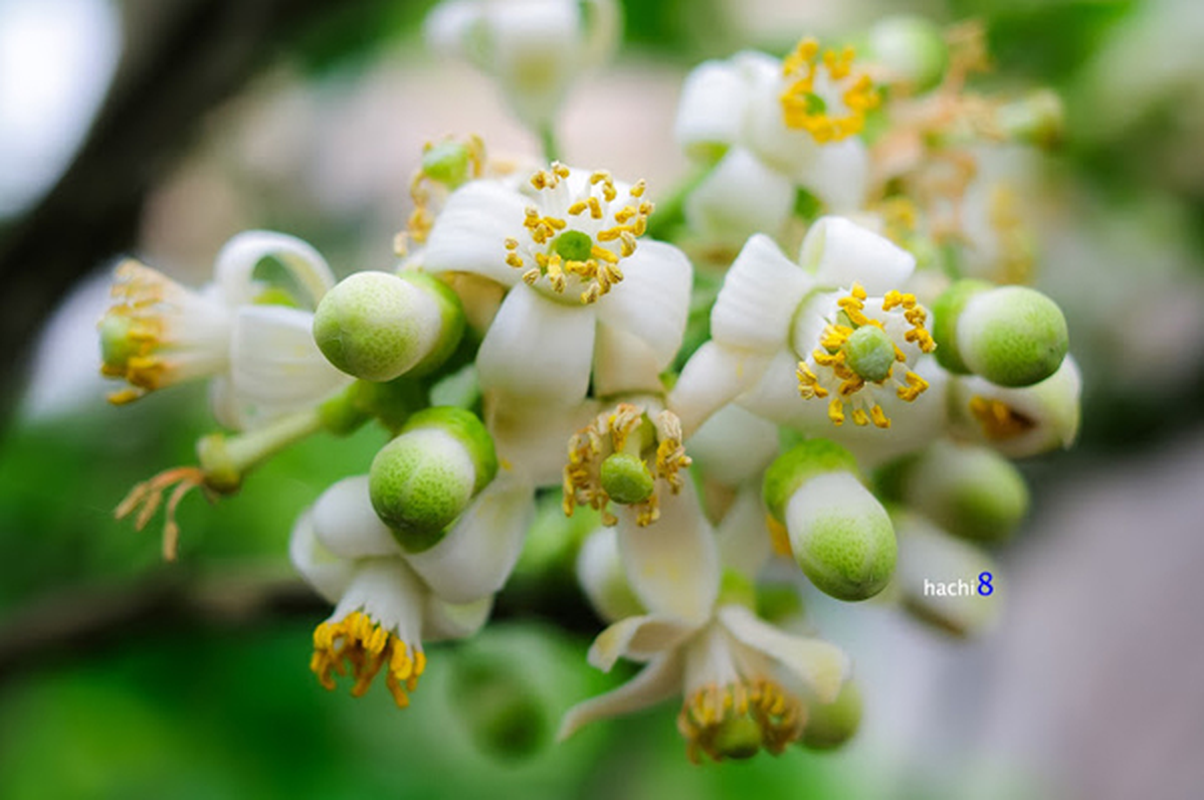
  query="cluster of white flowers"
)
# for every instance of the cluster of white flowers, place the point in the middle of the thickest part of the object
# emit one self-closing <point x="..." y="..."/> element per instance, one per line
<point x="850" y="410"/>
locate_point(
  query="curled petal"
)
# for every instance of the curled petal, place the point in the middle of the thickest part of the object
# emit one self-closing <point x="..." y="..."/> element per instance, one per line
<point x="653" y="300"/>
<point x="328" y="574"/>
<point x="638" y="639"/>
<point x="657" y="682"/>
<point x="235" y="266"/>
<point x="347" y="525"/>
<point x="821" y="666"/>
<point x="760" y="294"/>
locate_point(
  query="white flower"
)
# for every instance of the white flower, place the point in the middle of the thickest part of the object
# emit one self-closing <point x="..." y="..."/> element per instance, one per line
<point x="263" y="358"/>
<point x="789" y="348"/>
<point x="775" y="128"/>
<point x="388" y="602"/>
<point x="587" y="296"/>
<point x="536" y="49"/>
<point x="745" y="684"/>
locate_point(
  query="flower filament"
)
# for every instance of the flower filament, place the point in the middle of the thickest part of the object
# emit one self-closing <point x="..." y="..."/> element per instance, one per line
<point x="578" y="236"/>
<point x="624" y="435"/>
<point x="365" y="647"/>
<point x="738" y="719"/>
<point x="812" y="99"/>
<point x="858" y="354"/>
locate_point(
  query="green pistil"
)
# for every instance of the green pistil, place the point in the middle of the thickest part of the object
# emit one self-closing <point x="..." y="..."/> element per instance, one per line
<point x="738" y="738"/>
<point x="116" y="345"/>
<point x="573" y="246"/>
<point x="816" y="104"/>
<point x="626" y="479"/>
<point x="870" y="353"/>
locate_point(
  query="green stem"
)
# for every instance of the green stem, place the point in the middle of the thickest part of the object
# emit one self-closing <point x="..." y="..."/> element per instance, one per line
<point x="225" y="460"/>
<point x="551" y="147"/>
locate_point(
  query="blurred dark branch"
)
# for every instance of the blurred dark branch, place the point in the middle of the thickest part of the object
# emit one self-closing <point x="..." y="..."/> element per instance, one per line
<point x="85" y="621"/>
<point x="181" y="59"/>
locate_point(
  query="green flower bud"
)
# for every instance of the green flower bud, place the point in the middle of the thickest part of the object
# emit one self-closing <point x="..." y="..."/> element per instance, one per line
<point x="505" y="716"/>
<point x="830" y="725"/>
<point x="378" y="326"/>
<point x="938" y="578"/>
<point x="970" y="491"/>
<point x="797" y="465"/>
<point x="425" y="478"/>
<point x="839" y="533"/>
<point x="626" y="479"/>
<point x="912" y="48"/>
<point x="1011" y="335"/>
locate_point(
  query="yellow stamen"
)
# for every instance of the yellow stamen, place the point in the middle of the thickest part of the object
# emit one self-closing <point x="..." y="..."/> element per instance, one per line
<point x="598" y="273"/>
<point x="778" y="715"/>
<point x="146" y="497"/>
<point x="999" y="421"/>
<point x="356" y="641"/>
<point x="803" y="109"/>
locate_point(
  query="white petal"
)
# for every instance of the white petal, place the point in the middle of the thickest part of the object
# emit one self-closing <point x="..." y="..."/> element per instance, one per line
<point x="624" y="363"/>
<point x="839" y="252"/>
<point x="275" y="365"/>
<point x="347" y="525"/>
<point x="653" y="300"/>
<point x="790" y="152"/>
<point x="638" y="639"/>
<point x="471" y="231"/>
<point x="601" y="577"/>
<point x="538" y="349"/>
<point x="448" y="25"/>
<point x="733" y="446"/>
<point x="321" y="569"/>
<point x="476" y="556"/>
<point x="713" y="377"/>
<point x="1052" y="406"/>
<point x="760" y="294"/>
<point x="656" y="683"/>
<point x="390" y="594"/>
<point x="531" y="438"/>
<point x="776" y="398"/>
<point x="741" y="196"/>
<point x="236" y="262"/>
<point x="822" y="666"/>
<point x="443" y="621"/>
<point x="840" y="176"/>
<point x="673" y="564"/>
<point x="711" y="112"/>
<point x="743" y="538"/>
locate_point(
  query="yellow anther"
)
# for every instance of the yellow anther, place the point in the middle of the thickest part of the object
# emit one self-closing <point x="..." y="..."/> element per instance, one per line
<point x="836" y="411"/>
<point x="999" y="421"/>
<point x="359" y="645"/>
<point x="777" y="714"/>
<point x="879" y="416"/>
<point x="803" y="109"/>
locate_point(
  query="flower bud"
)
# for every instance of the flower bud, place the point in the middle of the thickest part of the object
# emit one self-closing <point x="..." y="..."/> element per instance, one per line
<point x="1019" y="422"/>
<point x="970" y="491"/>
<point x="377" y="326"/>
<point x="839" y="533"/>
<point x="505" y="716"/>
<point x="1010" y="335"/>
<point x="425" y="478"/>
<point x="911" y="48"/>
<point x="830" y="725"/>
<point x="447" y="162"/>
<point x="939" y="578"/>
